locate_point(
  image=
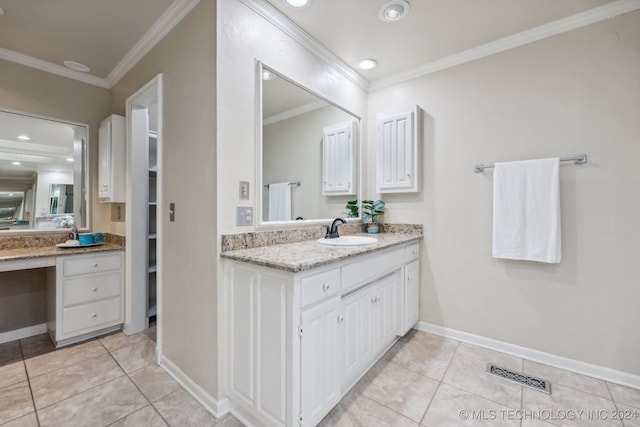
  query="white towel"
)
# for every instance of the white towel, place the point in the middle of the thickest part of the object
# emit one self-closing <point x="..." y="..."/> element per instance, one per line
<point x="280" y="202"/>
<point x="526" y="210"/>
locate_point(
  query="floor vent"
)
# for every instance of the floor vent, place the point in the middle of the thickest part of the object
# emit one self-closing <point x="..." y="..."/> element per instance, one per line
<point x="522" y="379"/>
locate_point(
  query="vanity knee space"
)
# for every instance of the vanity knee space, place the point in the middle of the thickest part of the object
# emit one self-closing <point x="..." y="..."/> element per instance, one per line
<point x="299" y="341"/>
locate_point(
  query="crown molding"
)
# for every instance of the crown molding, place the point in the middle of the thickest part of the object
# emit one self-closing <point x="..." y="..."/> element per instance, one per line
<point x="282" y="22"/>
<point x="541" y="32"/>
<point x="169" y="19"/>
<point x="52" y="68"/>
<point x="307" y="108"/>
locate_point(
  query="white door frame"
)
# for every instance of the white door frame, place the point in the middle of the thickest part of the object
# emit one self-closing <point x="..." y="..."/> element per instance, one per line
<point x="136" y="294"/>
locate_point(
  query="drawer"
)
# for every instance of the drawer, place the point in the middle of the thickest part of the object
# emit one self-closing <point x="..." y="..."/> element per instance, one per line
<point x="91" y="288"/>
<point x="74" y="266"/>
<point x="91" y="316"/>
<point x="320" y="286"/>
<point x="371" y="268"/>
<point x="412" y="251"/>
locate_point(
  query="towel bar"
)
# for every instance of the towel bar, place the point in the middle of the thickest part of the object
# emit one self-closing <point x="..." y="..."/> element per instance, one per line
<point x="579" y="159"/>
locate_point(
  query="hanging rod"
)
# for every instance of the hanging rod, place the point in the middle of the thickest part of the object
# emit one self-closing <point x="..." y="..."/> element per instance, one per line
<point x="297" y="184"/>
<point x="579" y="159"/>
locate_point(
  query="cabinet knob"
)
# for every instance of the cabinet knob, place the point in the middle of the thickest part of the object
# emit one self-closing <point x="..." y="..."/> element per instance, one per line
<point x="325" y="287"/>
<point x="94" y="289"/>
<point x="377" y="299"/>
<point x="95" y="264"/>
<point x="410" y="278"/>
<point x="94" y="315"/>
<point x="340" y="319"/>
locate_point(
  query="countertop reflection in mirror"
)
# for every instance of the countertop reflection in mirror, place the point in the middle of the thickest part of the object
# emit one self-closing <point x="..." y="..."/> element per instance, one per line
<point x="43" y="179"/>
<point x="305" y="138"/>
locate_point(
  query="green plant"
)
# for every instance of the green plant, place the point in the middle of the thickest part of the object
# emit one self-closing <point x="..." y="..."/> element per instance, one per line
<point x="372" y="209"/>
<point x="352" y="209"/>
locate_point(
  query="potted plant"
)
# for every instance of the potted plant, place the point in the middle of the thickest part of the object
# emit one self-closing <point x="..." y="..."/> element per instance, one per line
<point x="370" y="211"/>
<point x="352" y="209"/>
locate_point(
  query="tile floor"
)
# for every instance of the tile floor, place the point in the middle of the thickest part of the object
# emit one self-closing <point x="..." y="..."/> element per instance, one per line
<point x="424" y="380"/>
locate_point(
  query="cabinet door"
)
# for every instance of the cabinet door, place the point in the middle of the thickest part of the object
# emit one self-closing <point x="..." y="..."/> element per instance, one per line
<point x="385" y="317"/>
<point x="338" y="176"/>
<point x="397" y="153"/>
<point x="318" y="359"/>
<point x="411" y="295"/>
<point x="104" y="155"/>
<point x="355" y="334"/>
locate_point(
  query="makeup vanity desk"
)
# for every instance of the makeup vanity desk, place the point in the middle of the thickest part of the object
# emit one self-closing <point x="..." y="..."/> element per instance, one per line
<point x="85" y="285"/>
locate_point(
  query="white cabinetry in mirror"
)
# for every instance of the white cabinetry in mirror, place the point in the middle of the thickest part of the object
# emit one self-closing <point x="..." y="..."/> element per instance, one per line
<point x="397" y="152"/>
<point x="299" y="341"/>
<point x="111" y="165"/>
<point x="338" y="172"/>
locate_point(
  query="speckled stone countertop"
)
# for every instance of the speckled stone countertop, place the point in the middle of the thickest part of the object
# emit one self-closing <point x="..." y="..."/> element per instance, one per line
<point x="29" y="247"/>
<point x="305" y="255"/>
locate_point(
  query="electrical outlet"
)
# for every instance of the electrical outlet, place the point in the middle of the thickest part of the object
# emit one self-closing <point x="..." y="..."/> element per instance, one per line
<point x="244" y="190"/>
<point x="244" y="215"/>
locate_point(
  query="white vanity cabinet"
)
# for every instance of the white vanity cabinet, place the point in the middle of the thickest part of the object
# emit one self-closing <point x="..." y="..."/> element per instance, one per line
<point x="86" y="297"/>
<point x="111" y="160"/>
<point x="299" y="341"/>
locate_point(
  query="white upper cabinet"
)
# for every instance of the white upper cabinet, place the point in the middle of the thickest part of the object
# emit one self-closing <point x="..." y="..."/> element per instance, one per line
<point x="397" y="152"/>
<point x="338" y="171"/>
<point x="111" y="160"/>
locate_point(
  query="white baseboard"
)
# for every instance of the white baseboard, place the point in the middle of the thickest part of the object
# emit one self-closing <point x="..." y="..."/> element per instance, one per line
<point x="218" y="408"/>
<point x="17" y="334"/>
<point x="595" y="371"/>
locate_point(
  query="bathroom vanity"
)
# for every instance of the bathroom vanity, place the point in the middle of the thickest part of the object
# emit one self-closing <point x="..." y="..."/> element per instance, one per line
<point x="306" y="321"/>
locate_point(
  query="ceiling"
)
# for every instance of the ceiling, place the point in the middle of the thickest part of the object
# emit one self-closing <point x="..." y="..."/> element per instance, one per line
<point x="109" y="36"/>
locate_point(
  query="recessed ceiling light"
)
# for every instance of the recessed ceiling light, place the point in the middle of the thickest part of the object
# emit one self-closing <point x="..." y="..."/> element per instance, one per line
<point x="77" y="66"/>
<point x="393" y="11"/>
<point x="23" y="137"/>
<point x="267" y="75"/>
<point x="16" y="163"/>
<point x="367" y="64"/>
<point x="298" y="4"/>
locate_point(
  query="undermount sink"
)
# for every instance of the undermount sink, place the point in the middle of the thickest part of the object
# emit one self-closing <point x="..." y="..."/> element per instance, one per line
<point x="348" y="241"/>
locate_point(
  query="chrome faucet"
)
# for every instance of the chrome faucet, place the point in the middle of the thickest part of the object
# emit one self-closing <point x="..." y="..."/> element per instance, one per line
<point x="332" y="233"/>
<point x="74" y="233"/>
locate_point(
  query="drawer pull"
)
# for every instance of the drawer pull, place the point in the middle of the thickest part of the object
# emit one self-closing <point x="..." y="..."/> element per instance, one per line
<point x="94" y="315"/>
<point x="94" y="289"/>
<point x="325" y="287"/>
<point x="95" y="264"/>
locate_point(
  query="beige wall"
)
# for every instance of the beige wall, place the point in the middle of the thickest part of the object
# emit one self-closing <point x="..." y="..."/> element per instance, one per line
<point x="574" y="93"/>
<point x="186" y="58"/>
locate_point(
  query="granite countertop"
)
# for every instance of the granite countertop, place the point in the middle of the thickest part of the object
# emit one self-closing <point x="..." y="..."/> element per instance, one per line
<point x="305" y="255"/>
<point x="47" y="251"/>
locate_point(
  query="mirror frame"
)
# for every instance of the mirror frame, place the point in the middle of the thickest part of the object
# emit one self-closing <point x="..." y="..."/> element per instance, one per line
<point x="260" y="223"/>
<point x="85" y="187"/>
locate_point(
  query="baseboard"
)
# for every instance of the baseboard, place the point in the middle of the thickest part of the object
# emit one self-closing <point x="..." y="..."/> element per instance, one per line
<point x="218" y="408"/>
<point x="595" y="371"/>
<point x="17" y="334"/>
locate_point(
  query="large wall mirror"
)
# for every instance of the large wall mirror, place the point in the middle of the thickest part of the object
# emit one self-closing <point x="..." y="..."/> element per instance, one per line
<point x="43" y="178"/>
<point x="309" y="150"/>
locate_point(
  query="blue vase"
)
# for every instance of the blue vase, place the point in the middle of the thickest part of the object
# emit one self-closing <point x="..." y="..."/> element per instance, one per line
<point x="373" y="228"/>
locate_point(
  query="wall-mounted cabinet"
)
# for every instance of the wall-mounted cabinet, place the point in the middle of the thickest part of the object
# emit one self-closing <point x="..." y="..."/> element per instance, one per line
<point x="397" y="152"/>
<point x="338" y="170"/>
<point x="111" y="163"/>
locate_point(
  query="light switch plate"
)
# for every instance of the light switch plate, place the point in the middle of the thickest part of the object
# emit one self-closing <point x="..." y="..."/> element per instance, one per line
<point x="172" y="212"/>
<point x="244" y="190"/>
<point x="244" y="215"/>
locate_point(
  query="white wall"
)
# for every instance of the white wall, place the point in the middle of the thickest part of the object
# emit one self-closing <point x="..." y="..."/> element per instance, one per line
<point x="574" y="93"/>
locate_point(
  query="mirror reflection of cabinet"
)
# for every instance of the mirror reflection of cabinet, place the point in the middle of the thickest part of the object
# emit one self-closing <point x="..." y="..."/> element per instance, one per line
<point x="397" y="152"/>
<point x="61" y="199"/>
<point x="338" y="173"/>
<point x="111" y="151"/>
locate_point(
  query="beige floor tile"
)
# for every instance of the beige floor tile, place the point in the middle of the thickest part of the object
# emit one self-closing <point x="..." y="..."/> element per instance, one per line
<point x="527" y="422"/>
<point x="630" y="415"/>
<point x="180" y="409"/>
<point x="99" y="406"/>
<point x="626" y="395"/>
<point x="12" y="373"/>
<point x="568" y="407"/>
<point x="467" y="371"/>
<point x="36" y="345"/>
<point x="229" y="421"/>
<point x="29" y="420"/>
<point x="567" y="378"/>
<point x="64" y="357"/>
<point x="120" y="340"/>
<point x="147" y="417"/>
<point x="424" y="353"/>
<point x="65" y="382"/>
<point x="136" y="356"/>
<point x="454" y="407"/>
<point x="400" y="389"/>
<point x="15" y="402"/>
<point x="154" y="382"/>
<point x="356" y="410"/>
<point x="151" y="333"/>
<point x="10" y="351"/>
